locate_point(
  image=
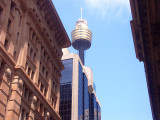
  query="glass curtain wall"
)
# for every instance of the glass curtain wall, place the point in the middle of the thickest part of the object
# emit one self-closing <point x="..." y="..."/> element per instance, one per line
<point x="66" y="90"/>
<point x="93" y="107"/>
<point x="86" y="99"/>
<point x="98" y="112"/>
<point x="80" y="93"/>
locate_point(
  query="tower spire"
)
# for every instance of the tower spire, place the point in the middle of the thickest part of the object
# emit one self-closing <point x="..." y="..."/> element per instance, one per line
<point x="81" y="37"/>
<point x="81" y="12"/>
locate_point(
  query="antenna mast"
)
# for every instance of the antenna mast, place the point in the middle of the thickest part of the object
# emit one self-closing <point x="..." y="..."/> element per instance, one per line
<point x="81" y="12"/>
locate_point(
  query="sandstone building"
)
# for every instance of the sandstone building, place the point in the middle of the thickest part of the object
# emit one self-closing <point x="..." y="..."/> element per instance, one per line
<point x="146" y="35"/>
<point x="31" y="41"/>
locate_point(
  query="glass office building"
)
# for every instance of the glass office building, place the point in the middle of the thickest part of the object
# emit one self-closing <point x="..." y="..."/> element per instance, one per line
<point x="76" y="103"/>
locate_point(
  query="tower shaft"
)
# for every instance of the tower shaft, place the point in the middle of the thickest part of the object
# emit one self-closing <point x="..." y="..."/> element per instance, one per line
<point x="81" y="54"/>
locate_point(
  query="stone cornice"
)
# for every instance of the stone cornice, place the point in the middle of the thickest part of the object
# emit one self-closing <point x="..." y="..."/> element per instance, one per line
<point x="67" y="43"/>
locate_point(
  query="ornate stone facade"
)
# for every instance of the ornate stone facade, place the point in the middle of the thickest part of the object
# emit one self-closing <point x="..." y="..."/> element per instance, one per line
<point x="31" y="41"/>
<point x="146" y="35"/>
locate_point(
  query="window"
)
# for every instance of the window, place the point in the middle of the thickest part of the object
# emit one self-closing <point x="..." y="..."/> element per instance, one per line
<point x="45" y="92"/>
<point x="27" y="116"/>
<point x="44" y="54"/>
<point x="15" y="53"/>
<point x="1" y="13"/>
<point x="31" y="52"/>
<point x="34" y="57"/>
<point x="42" y="88"/>
<point x="20" y="19"/>
<point x="26" y="93"/>
<point x="6" y="44"/>
<point x="38" y="83"/>
<point x="41" y="108"/>
<point x="30" y="33"/>
<point x="43" y="69"/>
<point x="12" y="7"/>
<point x="53" y="85"/>
<point x="46" y="75"/>
<point x="32" y="75"/>
<point x="29" y="71"/>
<point x="28" y="49"/>
<point x="26" y="66"/>
<point x="52" y="101"/>
<point x="9" y="25"/>
<point x="55" y="88"/>
<point x="34" y="38"/>
<point x="22" y="114"/>
<point x="17" y="38"/>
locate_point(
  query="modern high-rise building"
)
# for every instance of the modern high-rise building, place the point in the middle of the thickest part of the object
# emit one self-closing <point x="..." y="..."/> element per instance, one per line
<point x="78" y="100"/>
<point x="31" y="41"/>
<point x="146" y="35"/>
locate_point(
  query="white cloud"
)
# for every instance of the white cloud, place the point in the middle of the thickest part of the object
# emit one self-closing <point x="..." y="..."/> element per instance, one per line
<point x="112" y="9"/>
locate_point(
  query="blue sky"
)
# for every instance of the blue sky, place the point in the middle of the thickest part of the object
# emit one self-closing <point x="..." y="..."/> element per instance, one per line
<point x="119" y="77"/>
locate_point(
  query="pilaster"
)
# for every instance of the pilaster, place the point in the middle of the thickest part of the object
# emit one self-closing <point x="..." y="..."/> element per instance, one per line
<point x="57" y="102"/>
<point x="23" y="44"/>
<point x="5" y="82"/>
<point x="49" y="83"/>
<point x="37" y="71"/>
<point x="14" y="103"/>
<point x="5" y="21"/>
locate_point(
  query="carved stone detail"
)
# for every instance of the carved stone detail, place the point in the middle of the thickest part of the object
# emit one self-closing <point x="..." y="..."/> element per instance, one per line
<point x="6" y="72"/>
<point x="20" y="84"/>
<point x="47" y="115"/>
<point x="33" y="101"/>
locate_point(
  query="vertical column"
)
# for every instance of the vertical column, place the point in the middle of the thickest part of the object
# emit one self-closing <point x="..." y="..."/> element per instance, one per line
<point x="13" y="107"/>
<point x="23" y="43"/>
<point x="57" y="102"/>
<point x="5" y="83"/>
<point x="50" y="83"/>
<point x="15" y="28"/>
<point x="5" y="21"/>
<point x="37" y="64"/>
<point x="38" y="105"/>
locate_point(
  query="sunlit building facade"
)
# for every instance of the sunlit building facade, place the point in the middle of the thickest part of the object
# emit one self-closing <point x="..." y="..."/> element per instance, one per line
<point x="31" y="41"/>
<point x="77" y="97"/>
